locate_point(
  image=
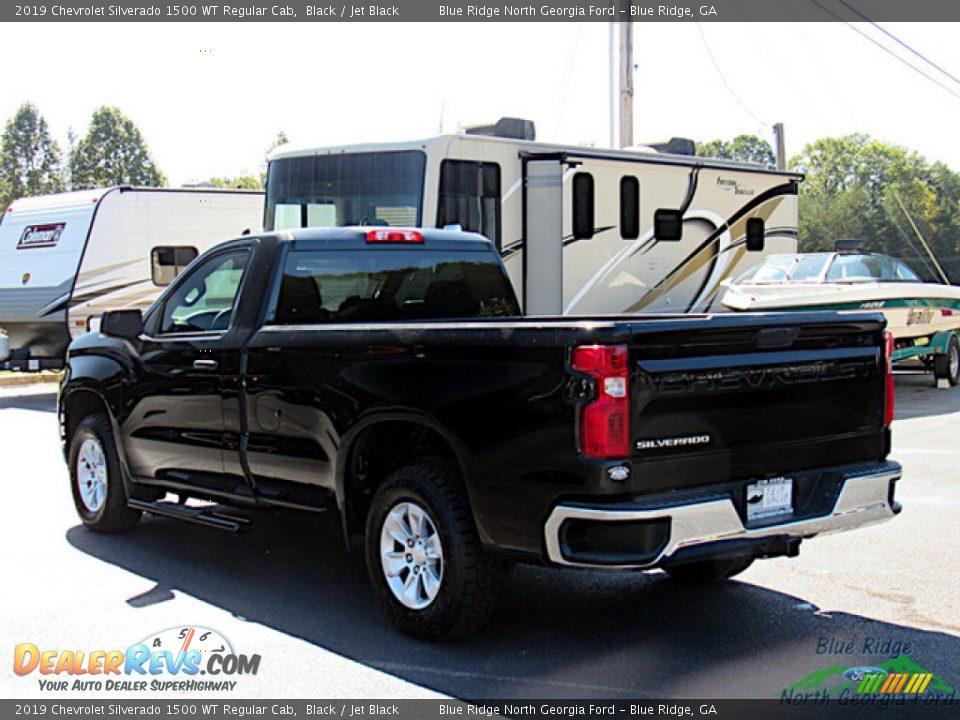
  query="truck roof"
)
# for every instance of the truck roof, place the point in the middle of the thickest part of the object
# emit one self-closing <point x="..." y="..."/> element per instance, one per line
<point x="358" y="237"/>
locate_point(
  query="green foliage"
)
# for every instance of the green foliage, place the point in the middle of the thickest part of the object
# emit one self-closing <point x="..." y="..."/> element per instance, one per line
<point x="240" y="182"/>
<point x="31" y="162"/>
<point x="280" y="139"/>
<point x="246" y="181"/>
<point x="851" y="189"/>
<point x="113" y="152"/>
<point x="743" y="148"/>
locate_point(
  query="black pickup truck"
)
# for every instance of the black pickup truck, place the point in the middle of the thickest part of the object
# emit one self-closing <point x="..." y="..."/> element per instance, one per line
<point x="388" y="374"/>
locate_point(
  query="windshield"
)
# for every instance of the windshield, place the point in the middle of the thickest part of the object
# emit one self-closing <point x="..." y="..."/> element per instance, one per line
<point x="382" y="188"/>
<point x="787" y="268"/>
<point x="775" y="268"/>
<point x="869" y="268"/>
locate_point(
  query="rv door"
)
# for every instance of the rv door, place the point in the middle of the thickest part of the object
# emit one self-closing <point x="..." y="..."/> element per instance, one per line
<point x="543" y="237"/>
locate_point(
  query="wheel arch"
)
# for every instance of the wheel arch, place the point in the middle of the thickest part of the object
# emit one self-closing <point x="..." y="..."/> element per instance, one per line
<point x="80" y="399"/>
<point x="381" y="443"/>
<point x="79" y="402"/>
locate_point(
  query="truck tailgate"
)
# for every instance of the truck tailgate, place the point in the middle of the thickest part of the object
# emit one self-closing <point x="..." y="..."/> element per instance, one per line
<point x="789" y="393"/>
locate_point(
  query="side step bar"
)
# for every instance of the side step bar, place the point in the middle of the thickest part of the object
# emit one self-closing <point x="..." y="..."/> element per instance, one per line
<point x="212" y="516"/>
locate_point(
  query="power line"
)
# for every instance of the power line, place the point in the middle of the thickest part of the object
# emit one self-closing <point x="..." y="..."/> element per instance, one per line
<point x="886" y="49"/>
<point x="569" y="74"/>
<point x="900" y="42"/>
<point x="716" y="67"/>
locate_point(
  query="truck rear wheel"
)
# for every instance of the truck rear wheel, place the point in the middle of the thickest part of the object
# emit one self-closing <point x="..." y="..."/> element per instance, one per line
<point x="947" y="366"/>
<point x="424" y="558"/>
<point x="95" y="480"/>
<point x="708" y="570"/>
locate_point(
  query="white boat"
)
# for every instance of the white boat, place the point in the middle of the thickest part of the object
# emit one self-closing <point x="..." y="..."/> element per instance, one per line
<point x="848" y="281"/>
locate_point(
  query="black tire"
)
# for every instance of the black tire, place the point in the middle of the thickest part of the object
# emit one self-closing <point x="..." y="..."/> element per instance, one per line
<point x="947" y="366"/>
<point x="112" y="515"/>
<point x="708" y="570"/>
<point x="471" y="580"/>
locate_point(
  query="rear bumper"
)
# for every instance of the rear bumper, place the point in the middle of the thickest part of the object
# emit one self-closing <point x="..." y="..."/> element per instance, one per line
<point x="711" y="527"/>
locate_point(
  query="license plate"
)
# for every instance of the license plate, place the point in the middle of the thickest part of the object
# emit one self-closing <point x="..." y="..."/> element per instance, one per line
<point x="769" y="498"/>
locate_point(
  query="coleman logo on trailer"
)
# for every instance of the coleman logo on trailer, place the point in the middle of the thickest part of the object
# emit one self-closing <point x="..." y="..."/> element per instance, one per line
<point x="41" y="235"/>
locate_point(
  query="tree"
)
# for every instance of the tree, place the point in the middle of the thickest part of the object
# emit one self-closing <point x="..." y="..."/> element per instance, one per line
<point x="113" y="152"/>
<point x="247" y="181"/>
<point x="240" y="182"/>
<point x="854" y="187"/>
<point x="30" y="163"/>
<point x="280" y="139"/>
<point x="743" y="148"/>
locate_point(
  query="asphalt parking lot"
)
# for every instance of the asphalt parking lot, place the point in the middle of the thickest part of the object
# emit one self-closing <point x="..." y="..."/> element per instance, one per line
<point x="288" y="591"/>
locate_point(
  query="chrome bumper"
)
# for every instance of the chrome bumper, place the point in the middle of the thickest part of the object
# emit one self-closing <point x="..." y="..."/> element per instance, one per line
<point x="863" y="500"/>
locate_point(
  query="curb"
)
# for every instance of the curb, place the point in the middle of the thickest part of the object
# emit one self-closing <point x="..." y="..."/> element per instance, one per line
<point x="20" y="379"/>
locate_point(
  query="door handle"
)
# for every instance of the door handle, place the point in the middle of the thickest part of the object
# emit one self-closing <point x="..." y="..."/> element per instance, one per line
<point x="205" y="364"/>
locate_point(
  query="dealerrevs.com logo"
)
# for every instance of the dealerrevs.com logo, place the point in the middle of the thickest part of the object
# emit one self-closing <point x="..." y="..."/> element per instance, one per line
<point x="170" y="660"/>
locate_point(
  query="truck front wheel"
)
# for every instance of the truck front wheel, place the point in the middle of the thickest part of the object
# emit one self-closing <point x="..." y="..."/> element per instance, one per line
<point x="95" y="480"/>
<point x="424" y="557"/>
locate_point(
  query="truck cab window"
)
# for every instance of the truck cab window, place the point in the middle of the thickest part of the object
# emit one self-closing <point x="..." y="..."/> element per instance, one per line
<point x="168" y="262"/>
<point x="362" y="287"/>
<point x="204" y="302"/>
<point x="470" y="197"/>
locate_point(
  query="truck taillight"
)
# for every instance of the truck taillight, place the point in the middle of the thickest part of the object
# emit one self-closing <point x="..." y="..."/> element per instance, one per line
<point x="394" y="236"/>
<point x="605" y="421"/>
<point x="890" y="392"/>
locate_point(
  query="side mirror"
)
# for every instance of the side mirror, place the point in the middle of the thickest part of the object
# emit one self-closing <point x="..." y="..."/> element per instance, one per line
<point x="756" y="234"/>
<point x="668" y="225"/>
<point x="125" y="324"/>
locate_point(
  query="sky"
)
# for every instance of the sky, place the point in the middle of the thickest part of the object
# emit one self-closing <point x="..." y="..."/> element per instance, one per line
<point x="209" y="98"/>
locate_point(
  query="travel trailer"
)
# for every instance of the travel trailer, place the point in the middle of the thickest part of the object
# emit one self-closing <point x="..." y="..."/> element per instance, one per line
<point x="581" y="230"/>
<point x="66" y="258"/>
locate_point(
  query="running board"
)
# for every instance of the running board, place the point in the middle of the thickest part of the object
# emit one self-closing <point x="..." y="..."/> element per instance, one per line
<point x="213" y="516"/>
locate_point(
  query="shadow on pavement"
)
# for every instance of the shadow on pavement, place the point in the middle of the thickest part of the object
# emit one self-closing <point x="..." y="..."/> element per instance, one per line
<point x="918" y="396"/>
<point x="557" y="634"/>
<point x="39" y="401"/>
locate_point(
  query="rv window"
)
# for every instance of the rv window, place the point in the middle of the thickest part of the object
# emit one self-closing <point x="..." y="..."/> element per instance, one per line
<point x="470" y="197"/>
<point x="756" y="234"/>
<point x="668" y="225"/>
<point x="583" y="206"/>
<point x="629" y="208"/>
<point x="168" y="262"/>
<point x="377" y="188"/>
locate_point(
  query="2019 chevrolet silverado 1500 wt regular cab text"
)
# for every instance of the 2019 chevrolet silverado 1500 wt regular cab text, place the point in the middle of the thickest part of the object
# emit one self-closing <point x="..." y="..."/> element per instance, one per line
<point x="387" y="373"/>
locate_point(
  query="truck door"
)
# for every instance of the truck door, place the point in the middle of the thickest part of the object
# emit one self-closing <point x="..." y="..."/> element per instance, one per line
<point x="174" y="432"/>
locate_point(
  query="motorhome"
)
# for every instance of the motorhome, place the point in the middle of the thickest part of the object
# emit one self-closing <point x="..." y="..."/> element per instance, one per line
<point x="581" y="230"/>
<point x="66" y="258"/>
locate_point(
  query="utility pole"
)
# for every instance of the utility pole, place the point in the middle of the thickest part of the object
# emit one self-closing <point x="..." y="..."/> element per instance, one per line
<point x="780" y="148"/>
<point x="626" y="81"/>
<point x="611" y="80"/>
